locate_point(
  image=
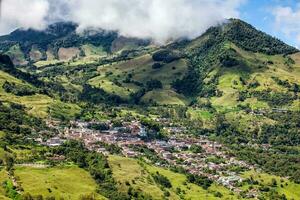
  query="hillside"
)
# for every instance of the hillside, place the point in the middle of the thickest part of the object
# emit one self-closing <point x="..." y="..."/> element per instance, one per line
<point x="215" y="117"/>
<point x="36" y="96"/>
<point x="217" y="66"/>
<point x="61" y="41"/>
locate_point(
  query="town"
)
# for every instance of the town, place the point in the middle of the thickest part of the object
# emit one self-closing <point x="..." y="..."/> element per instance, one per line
<point x="196" y="155"/>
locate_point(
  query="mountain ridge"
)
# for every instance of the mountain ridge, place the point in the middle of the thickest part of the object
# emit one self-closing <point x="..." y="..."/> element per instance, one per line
<point x="236" y="99"/>
<point x="33" y="45"/>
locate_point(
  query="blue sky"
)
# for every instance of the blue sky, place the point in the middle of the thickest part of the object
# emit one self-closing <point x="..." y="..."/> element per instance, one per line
<point x="260" y="13"/>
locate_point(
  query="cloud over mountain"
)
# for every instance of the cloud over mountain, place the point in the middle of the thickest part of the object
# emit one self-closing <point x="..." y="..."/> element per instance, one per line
<point x="23" y="13"/>
<point x="156" y="19"/>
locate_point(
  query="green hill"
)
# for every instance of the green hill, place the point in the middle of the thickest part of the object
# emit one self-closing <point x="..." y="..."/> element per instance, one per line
<point x="231" y="64"/>
<point x="233" y="84"/>
<point x="36" y="96"/>
<point x="61" y="42"/>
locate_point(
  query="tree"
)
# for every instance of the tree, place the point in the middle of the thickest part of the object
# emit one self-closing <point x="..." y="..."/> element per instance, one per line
<point x="162" y="180"/>
<point x="9" y="161"/>
<point x="153" y="84"/>
<point x="196" y="148"/>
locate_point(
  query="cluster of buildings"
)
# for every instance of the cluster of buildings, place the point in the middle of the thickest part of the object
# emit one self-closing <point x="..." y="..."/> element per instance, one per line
<point x="210" y="162"/>
<point x="176" y="152"/>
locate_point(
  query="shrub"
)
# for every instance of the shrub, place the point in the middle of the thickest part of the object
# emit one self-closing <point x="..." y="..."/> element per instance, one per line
<point x="161" y="180"/>
<point x="157" y="65"/>
<point x="153" y="84"/>
<point x="166" y="56"/>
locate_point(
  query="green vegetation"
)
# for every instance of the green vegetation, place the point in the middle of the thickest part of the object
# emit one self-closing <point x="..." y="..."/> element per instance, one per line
<point x="248" y="38"/>
<point x="16" y="124"/>
<point x="279" y="185"/>
<point x="58" y="182"/>
<point x="233" y="84"/>
<point x="131" y="173"/>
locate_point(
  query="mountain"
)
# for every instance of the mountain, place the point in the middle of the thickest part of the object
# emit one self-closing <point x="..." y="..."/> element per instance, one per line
<point x="61" y="41"/>
<point x="233" y="85"/>
<point x="231" y="64"/>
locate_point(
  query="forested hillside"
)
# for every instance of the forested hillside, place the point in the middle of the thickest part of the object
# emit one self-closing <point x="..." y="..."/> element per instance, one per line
<point x="226" y="103"/>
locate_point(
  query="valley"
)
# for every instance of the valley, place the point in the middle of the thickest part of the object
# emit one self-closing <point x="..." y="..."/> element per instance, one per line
<point x="101" y="116"/>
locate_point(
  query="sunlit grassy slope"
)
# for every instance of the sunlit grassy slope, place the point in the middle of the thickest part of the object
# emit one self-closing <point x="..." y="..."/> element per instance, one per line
<point x="3" y="177"/>
<point x="290" y="189"/>
<point x="259" y="68"/>
<point x="126" y="170"/>
<point x="255" y="67"/>
<point x="66" y="182"/>
<point x="37" y="105"/>
<point x="140" y="69"/>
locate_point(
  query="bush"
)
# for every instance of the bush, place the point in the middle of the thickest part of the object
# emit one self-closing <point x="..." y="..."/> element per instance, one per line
<point x="19" y="90"/>
<point x="196" y="149"/>
<point x="199" y="180"/>
<point x="166" y="56"/>
<point x="161" y="180"/>
<point x="157" y="65"/>
<point x="153" y="84"/>
<point x="228" y="59"/>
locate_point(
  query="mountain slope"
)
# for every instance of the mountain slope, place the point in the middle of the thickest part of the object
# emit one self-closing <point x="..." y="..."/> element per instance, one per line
<point x="234" y="85"/>
<point x="230" y="65"/>
<point x="61" y="41"/>
<point x="217" y="65"/>
<point x="36" y="96"/>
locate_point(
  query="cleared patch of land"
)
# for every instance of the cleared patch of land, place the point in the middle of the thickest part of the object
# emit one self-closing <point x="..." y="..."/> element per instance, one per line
<point x="68" y="53"/>
<point x="164" y="97"/>
<point x="66" y="182"/>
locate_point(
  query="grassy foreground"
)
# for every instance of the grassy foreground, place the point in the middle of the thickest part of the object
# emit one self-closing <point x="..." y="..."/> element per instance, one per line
<point x="67" y="182"/>
<point x="283" y="186"/>
<point x="128" y="172"/>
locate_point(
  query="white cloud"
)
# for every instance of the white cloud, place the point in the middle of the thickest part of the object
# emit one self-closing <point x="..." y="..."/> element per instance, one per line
<point x="23" y="13"/>
<point x="287" y="21"/>
<point x="156" y="19"/>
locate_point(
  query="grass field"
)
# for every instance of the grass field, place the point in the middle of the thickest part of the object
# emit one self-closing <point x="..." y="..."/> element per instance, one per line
<point x="3" y="177"/>
<point x="164" y="97"/>
<point x="67" y="182"/>
<point x="203" y="115"/>
<point x="91" y="50"/>
<point x="43" y="63"/>
<point x="110" y="87"/>
<point x="290" y="189"/>
<point x="129" y="170"/>
<point x="140" y="69"/>
<point x="192" y="191"/>
<point x="37" y="105"/>
<point x="255" y="69"/>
